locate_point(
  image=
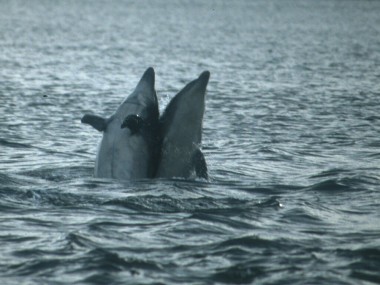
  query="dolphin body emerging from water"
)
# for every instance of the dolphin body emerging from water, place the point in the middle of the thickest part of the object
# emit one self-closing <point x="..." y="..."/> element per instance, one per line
<point x="181" y="133"/>
<point x="129" y="148"/>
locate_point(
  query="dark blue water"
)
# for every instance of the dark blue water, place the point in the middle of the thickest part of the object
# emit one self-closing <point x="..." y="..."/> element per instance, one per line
<point x="291" y="136"/>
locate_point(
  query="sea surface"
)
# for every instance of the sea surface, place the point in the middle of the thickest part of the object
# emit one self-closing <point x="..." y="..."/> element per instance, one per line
<point x="291" y="137"/>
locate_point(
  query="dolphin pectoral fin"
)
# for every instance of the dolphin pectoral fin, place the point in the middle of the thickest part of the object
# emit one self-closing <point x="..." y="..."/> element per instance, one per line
<point x="199" y="162"/>
<point x="96" y="122"/>
<point x="133" y="122"/>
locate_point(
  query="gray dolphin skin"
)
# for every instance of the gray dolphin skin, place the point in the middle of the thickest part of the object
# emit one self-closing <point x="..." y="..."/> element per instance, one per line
<point x="128" y="149"/>
<point x="181" y="133"/>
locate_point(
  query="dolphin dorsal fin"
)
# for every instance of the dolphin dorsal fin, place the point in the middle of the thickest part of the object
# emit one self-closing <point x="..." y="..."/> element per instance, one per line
<point x="96" y="122"/>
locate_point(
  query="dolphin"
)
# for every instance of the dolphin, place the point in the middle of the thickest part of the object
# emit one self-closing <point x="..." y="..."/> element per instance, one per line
<point x="128" y="149"/>
<point x="181" y="133"/>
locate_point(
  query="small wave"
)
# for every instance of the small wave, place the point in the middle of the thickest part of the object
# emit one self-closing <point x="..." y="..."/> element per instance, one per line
<point x="331" y="186"/>
<point x="7" y="143"/>
<point x="57" y="174"/>
<point x="242" y="273"/>
<point x="251" y="241"/>
<point x="337" y="180"/>
<point x="6" y="179"/>
<point x="105" y="260"/>
<point x="76" y="240"/>
<point x="331" y="172"/>
<point x="100" y="264"/>
<point x="272" y="202"/>
<point x="40" y="104"/>
<point x="365" y="263"/>
<point x="36" y="267"/>
<point x="344" y="182"/>
<point x="167" y="204"/>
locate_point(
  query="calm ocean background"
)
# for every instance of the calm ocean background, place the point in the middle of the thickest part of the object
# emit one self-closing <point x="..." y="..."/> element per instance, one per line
<point x="291" y="136"/>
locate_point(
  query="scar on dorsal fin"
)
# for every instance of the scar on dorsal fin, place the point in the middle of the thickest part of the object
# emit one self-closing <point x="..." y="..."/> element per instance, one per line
<point x="200" y="164"/>
<point x="96" y="122"/>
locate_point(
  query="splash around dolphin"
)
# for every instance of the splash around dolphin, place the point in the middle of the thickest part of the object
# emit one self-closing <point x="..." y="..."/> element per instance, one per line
<point x="129" y="151"/>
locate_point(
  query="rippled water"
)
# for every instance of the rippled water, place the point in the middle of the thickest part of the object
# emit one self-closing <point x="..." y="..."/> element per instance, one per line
<point x="291" y="137"/>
